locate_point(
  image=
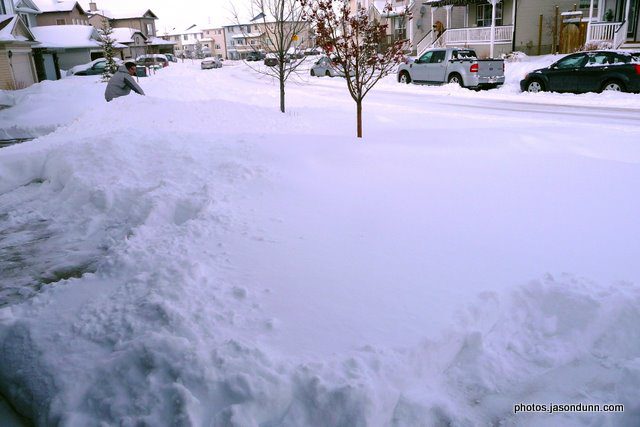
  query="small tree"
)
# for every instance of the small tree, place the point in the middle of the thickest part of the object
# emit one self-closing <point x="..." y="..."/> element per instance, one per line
<point x="358" y="45"/>
<point x="282" y="25"/>
<point x="109" y="50"/>
<point x="199" y="54"/>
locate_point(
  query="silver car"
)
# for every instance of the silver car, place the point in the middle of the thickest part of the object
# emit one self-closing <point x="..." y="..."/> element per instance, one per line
<point x="324" y="67"/>
<point x="209" y="63"/>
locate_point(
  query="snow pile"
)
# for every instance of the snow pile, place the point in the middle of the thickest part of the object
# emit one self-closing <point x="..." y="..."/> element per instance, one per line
<point x="185" y="259"/>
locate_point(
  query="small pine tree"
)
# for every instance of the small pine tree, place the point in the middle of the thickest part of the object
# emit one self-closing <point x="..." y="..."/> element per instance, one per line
<point x="199" y="53"/>
<point x="109" y="50"/>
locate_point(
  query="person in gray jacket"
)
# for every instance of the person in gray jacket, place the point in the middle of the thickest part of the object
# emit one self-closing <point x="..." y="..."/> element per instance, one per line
<point x="122" y="83"/>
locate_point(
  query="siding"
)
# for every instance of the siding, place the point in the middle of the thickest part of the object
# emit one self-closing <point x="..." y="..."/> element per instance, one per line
<point x="6" y="79"/>
<point x="528" y="15"/>
<point x="51" y="18"/>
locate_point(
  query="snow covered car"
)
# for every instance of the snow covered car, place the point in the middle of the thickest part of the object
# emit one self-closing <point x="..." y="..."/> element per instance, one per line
<point x="152" y="60"/>
<point x="325" y="67"/>
<point x="93" y="68"/>
<point x="171" y="57"/>
<point x="595" y="71"/>
<point x="211" y="62"/>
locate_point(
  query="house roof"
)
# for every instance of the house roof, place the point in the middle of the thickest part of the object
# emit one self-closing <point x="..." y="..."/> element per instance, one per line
<point x="26" y="6"/>
<point x="125" y="35"/>
<point x="157" y="41"/>
<point x="48" y="6"/>
<point x="67" y="36"/>
<point x="125" y="14"/>
<point x="12" y="29"/>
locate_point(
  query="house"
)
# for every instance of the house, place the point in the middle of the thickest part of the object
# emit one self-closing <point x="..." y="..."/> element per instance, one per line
<point x="17" y="67"/>
<point x="58" y="12"/>
<point x="244" y="38"/>
<point x="186" y="42"/>
<point x="134" y="40"/>
<point x="613" y="23"/>
<point x="74" y="44"/>
<point x="218" y="42"/>
<point x="28" y="11"/>
<point x="140" y="20"/>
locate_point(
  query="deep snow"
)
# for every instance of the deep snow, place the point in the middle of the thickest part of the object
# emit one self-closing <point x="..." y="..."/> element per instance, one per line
<point x="195" y="257"/>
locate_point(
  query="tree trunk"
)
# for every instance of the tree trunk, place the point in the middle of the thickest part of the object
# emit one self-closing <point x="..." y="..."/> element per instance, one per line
<point x="359" y="110"/>
<point x="282" y="109"/>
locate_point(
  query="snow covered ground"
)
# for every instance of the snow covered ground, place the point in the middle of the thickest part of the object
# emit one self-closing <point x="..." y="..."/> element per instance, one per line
<point x="194" y="257"/>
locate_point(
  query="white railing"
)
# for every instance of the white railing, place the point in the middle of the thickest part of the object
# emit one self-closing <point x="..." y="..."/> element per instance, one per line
<point x="603" y="32"/>
<point x="609" y="32"/>
<point x="426" y="42"/>
<point x="621" y="35"/>
<point x="478" y="35"/>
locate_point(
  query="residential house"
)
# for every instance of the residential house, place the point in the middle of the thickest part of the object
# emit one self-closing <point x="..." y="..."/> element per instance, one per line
<point x="58" y="12"/>
<point x="613" y="22"/>
<point x="241" y="39"/>
<point x="141" y="20"/>
<point x="186" y="42"/>
<point x="17" y="67"/>
<point x="218" y="42"/>
<point x="28" y="11"/>
<point x="74" y="44"/>
<point x="134" y="40"/>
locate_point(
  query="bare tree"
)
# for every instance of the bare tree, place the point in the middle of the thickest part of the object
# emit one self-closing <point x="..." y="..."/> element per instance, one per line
<point x="357" y="43"/>
<point x="282" y="33"/>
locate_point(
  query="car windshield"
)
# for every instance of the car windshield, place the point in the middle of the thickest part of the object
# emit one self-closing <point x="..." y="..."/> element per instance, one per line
<point x="571" y="62"/>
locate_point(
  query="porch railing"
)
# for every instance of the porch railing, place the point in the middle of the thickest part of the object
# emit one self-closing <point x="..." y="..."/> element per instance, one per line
<point x="478" y="35"/>
<point x="609" y="32"/>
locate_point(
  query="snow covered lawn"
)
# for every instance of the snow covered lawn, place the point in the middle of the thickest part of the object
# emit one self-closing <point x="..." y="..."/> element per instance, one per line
<point x="194" y="257"/>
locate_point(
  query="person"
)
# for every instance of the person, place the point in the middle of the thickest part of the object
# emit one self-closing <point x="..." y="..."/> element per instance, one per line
<point x="122" y="82"/>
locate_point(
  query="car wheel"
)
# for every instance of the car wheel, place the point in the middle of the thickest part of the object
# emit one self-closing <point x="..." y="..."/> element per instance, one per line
<point x="313" y="73"/>
<point x="455" y="79"/>
<point x="613" y="86"/>
<point x="405" y="78"/>
<point x="535" y="86"/>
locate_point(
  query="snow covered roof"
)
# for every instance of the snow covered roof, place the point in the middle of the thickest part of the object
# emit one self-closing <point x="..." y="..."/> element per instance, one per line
<point x="26" y="6"/>
<point x="47" y="6"/>
<point x="125" y="14"/>
<point x="125" y="35"/>
<point x="67" y="36"/>
<point x="12" y="29"/>
<point x="157" y="41"/>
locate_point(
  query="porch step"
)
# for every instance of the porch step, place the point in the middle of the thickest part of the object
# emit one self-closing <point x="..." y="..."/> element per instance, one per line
<point x="633" y="45"/>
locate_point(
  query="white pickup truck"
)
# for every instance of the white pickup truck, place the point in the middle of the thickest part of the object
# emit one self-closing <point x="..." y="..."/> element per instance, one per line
<point x="453" y="65"/>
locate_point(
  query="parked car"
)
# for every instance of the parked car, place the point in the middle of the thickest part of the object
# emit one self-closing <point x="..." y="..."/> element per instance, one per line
<point x="594" y="71"/>
<point x="324" y="66"/>
<point x="270" y="60"/>
<point x="171" y="57"/>
<point x="92" y="68"/>
<point x="210" y="62"/>
<point x="255" y="56"/>
<point x="453" y="65"/>
<point x="151" y="60"/>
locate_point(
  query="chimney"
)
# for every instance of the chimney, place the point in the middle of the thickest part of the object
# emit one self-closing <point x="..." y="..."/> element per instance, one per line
<point x="93" y="7"/>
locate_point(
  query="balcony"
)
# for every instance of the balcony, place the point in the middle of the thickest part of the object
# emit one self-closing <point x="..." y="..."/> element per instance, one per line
<point x="477" y="35"/>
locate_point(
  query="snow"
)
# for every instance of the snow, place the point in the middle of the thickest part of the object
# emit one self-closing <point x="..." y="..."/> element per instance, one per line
<point x="67" y="36"/>
<point x="55" y="5"/>
<point x="194" y="257"/>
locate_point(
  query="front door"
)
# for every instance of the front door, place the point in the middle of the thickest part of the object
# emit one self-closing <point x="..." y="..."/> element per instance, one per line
<point x="563" y="75"/>
<point x="634" y="16"/>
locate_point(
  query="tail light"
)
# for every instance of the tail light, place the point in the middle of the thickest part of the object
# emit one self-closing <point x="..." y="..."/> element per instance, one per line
<point x="638" y="69"/>
<point x="474" y="68"/>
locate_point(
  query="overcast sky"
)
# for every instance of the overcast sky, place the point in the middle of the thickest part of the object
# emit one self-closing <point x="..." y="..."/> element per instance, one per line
<point x="179" y="14"/>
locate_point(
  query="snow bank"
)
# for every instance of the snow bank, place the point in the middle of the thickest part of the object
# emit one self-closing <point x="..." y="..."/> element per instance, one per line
<point x="185" y="259"/>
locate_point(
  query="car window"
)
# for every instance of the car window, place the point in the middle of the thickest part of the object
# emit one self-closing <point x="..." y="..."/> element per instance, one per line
<point x="598" y="59"/>
<point x="426" y="58"/>
<point x="617" y="59"/>
<point x="100" y="65"/>
<point x="438" y="56"/>
<point x="573" y="61"/>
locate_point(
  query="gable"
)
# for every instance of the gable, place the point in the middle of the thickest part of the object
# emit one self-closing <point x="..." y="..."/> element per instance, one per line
<point x="27" y="4"/>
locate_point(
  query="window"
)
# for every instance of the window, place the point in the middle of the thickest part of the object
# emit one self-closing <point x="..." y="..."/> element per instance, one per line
<point x="3" y="11"/>
<point x="150" y="29"/>
<point x="60" y="22"/>
<point x="438" y="56"/>
<point x="400" y="27"/>
<point x="585" y="4"/>
<point x="25" y="18"/>
<point x="186" y="36"/>
<point x="426" y="58"/>
<point x="484" y="15"/>
<point x="573" y="61"/>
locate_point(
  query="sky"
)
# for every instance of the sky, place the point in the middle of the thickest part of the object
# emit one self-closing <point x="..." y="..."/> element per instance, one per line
<point x="175" y="15"/>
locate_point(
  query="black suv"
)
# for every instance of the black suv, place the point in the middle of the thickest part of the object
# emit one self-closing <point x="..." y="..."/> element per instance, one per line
<point x="595" y="71"/>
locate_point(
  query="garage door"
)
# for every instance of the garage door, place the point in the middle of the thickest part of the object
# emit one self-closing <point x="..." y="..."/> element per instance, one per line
<point x="22" y="71"/>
